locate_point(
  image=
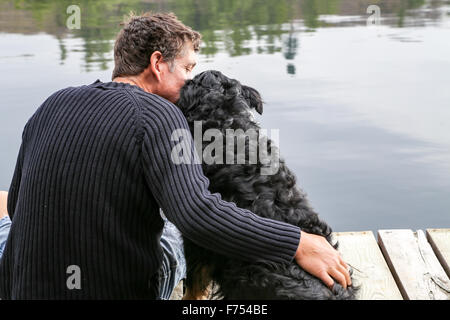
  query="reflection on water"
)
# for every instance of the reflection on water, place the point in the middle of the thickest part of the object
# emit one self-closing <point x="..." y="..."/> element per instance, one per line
<point x="227" y="26"/>
<point x="363" y="111"/>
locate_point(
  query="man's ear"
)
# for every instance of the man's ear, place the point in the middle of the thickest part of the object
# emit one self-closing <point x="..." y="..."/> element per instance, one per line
<point x="254" y="98"/>
<point x="156" y="60"/>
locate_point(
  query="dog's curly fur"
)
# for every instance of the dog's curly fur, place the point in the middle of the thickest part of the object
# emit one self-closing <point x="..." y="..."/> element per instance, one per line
<point x="223" y="103"/>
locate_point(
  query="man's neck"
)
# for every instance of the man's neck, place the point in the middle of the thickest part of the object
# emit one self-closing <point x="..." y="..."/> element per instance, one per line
<point x="135" y="81"/>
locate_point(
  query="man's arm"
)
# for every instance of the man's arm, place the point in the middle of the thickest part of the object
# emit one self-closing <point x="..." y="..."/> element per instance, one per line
<point x="8" y="201"/>
<point x="17" y="176"/>
<point x="182" y="192"/>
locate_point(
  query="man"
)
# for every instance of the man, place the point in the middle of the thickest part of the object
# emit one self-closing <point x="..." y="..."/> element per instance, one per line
<point x="173" y="267"/>
<point x="94" y="168"/>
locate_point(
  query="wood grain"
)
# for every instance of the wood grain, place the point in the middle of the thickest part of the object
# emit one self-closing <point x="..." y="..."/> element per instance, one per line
<point x="370" y="271"/>
<point x="440" y="242"/>
<point x="413" y="264"/>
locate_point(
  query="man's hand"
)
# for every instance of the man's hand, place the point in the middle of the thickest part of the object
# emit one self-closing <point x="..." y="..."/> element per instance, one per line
<point x="3" y="200"/>
<point x="316" y="256"/>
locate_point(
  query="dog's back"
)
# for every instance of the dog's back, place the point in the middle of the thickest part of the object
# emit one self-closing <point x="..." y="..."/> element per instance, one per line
<point x="222" y="104"/>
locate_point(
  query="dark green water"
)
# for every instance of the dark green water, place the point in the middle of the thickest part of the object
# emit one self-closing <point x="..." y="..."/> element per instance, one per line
<point x="363" y="112"/>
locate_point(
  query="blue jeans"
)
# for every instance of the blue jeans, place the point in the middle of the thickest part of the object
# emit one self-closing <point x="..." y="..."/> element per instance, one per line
<point x="5" y="225"/>
<point x="174" y="265"/>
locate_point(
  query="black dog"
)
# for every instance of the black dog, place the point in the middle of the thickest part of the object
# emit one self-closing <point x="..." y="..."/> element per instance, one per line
<point x="223" y="103"/>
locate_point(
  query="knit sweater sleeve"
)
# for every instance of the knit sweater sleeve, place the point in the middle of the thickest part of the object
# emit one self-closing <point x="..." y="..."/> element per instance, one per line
<point x="17" y="176"/>
<point x="181" y="190"/>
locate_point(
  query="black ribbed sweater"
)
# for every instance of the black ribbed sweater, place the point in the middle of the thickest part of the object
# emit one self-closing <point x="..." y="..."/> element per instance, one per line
<point x="93" y="170"/>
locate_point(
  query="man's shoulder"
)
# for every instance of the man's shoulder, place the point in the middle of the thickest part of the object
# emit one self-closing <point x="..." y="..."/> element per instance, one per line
<point x="69" y="93"/>
<point x="63" y="91"/>
<point x="81" y="98"/>
<point x="154" y="105"/>
<point x="54" y="100"/>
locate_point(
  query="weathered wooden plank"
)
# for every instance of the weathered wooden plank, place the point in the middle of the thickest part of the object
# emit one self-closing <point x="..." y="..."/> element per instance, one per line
<point x="413" y="264"/>
<point x="440" y="242"/>
<point x="370" y="271"/>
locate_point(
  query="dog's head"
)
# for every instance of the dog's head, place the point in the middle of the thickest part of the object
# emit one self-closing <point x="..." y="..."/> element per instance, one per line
<point x="212" y="94"/>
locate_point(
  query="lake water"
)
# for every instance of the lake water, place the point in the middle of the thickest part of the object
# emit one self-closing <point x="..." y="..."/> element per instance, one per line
<point x="363" y="111"/>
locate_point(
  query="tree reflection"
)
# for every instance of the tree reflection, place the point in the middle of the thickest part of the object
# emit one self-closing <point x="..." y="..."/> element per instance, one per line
<point x="233" y="26"/>
<point x="404" y="6"/>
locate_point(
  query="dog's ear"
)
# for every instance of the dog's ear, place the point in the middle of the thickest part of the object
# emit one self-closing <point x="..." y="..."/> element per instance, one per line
<point x="254" y="98"/>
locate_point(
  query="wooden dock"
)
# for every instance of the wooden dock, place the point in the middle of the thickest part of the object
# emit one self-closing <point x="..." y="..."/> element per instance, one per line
<point x="401" y="265"/>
